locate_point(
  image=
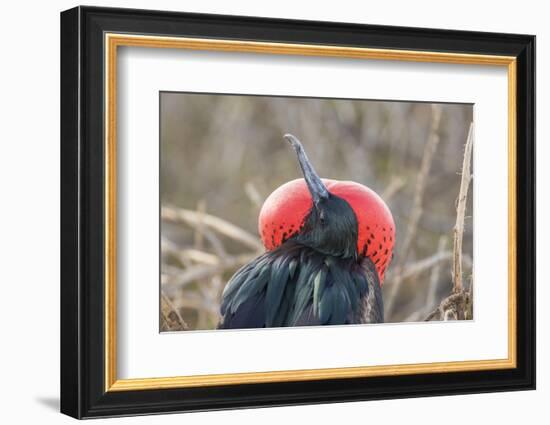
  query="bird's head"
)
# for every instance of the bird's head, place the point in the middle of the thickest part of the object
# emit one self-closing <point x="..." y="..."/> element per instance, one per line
<point x="340" y="218"/>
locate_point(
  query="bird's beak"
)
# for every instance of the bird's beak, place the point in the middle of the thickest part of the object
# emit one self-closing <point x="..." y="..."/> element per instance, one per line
<point x="315" y="185"/>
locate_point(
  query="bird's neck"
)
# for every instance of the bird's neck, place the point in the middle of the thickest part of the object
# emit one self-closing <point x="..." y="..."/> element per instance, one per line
<point x="337" y="247"/>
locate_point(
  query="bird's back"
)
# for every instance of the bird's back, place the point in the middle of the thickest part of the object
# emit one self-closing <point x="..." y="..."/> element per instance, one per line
<point x="295" y="285"/>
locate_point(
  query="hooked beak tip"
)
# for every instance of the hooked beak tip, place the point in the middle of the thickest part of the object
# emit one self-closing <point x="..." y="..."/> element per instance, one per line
<point x="315" y="185"/>
<point x="293" y="140"/>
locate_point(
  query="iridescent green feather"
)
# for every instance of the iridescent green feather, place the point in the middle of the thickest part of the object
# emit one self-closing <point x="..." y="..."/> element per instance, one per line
<point x="296" y="285"/>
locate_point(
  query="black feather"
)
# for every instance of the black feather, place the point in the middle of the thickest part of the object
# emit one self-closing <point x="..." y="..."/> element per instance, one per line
<point x="251" y="314"/>
<point x="295" y="285"/>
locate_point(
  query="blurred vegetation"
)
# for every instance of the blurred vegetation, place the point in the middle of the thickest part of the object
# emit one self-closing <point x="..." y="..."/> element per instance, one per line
<point x="222" y="155"/>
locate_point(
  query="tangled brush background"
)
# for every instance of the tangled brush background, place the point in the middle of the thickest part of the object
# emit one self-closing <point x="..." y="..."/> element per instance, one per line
<point x="222" y="155"/>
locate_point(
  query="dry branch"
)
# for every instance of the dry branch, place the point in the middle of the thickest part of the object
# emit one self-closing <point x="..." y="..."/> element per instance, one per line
<point x="192" y="218"/>
<point x="170" y="249"/>
<point x="450" y="307"/>
<point x="416" y="210"/>
<point x="199" y="256"/>
<point x="458" y="305"/>
<point x="199" y="229"/>
<point x="434" y="277"/>
<point x="196" y="264"/>
<point x="170" y="319"/>
<point x="253" y="195"/>
<point x="202" y="271"/>
<point x="395" y="185"/>
<point x="460" y="212"/>
<point x="417" y="267"/>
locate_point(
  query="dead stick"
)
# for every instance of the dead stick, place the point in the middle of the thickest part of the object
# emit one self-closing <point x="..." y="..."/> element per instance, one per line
<point x="215" y="223"/>
<point x="434" y="277"/>
<point x="199" y="234"/>
<point x="455" y="306"/>
<point x="460" y="212"/>
<point x="395" y="185"/>
<point x="416" y="211"/>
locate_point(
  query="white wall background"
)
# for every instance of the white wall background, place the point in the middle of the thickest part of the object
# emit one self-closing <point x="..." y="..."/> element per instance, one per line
<point x="29" y="212"/>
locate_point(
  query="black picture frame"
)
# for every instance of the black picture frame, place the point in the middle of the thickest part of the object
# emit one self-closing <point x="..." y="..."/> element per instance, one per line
<point x="83" y="392"/>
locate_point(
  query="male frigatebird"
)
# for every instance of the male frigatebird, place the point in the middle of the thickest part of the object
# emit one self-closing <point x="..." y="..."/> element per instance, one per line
<point x="328" y="244"/>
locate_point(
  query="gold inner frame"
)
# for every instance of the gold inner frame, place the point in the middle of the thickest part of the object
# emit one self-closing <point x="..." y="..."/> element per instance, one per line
<point x="113" y="41"/>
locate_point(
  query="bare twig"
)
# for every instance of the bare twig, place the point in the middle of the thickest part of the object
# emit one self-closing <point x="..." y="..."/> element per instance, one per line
<point x="460" y="212"/>
<point x="449" y="307"/>
<point x="469" y="307"/>
<point x="192" y="218"/>
<point x="419" y="266"/>
<point x="199" y="233"/>
<point x="203" y="271"/>
<point x="198" y="256"/>
<point x="169" y="248"/>
<point x="434" y="262"/>
<point x="170" y="319"/>
<point x="416" y="210"/>
<point x="187" y="257"/>
<point x="253" y="194"/>
<point x="190" y="300"/>
<point x="200" y="266"/>
<point x="458" y="305"/>
<point x="434" y="277"/>
<point x="395" y="185"/>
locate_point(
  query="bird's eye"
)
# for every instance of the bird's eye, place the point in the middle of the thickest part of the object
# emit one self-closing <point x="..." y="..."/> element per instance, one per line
<point x="322" y="217"/>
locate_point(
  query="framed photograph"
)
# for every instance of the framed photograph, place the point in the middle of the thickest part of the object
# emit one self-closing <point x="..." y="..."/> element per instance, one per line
<point x="261" y="212"/>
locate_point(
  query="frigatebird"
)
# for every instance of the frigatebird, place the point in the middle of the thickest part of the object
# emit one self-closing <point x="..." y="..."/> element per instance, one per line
<point x="328" y="245"/>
